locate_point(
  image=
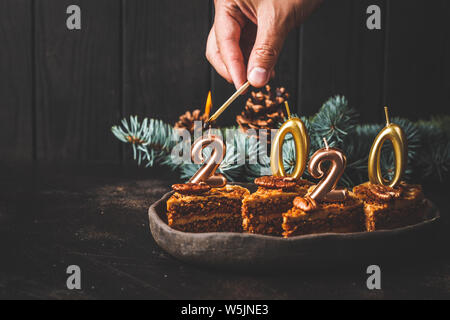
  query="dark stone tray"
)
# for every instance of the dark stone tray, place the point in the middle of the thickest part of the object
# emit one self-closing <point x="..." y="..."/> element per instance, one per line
<point x="258" y="252"/>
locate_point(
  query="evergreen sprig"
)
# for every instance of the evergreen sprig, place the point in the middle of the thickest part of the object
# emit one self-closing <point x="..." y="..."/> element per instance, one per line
<point x="153" y="141"/>
<point x="334" y="121"/>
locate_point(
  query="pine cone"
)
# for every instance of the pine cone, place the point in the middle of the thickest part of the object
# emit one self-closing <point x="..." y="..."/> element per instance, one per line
<point x="187" y="120"/>
<point x="263" y="110"/>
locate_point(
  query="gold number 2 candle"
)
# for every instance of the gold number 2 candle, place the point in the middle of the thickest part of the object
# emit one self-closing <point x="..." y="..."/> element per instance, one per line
<point x="396" y="135"/>
<point x="297" y="129"/>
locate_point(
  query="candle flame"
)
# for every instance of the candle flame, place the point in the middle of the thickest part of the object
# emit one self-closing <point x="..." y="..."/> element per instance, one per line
<point x="208" y="104"/>
<point x="287" y="109"/>
<point x="386" y="112"/>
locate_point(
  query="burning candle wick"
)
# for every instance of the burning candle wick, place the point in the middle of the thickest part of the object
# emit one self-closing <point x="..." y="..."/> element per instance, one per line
<point x="207" y="125"/>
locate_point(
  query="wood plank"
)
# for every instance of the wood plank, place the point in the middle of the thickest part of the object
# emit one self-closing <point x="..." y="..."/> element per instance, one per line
<point x="16" y="82"/>
<point x="78" y="81"/>
<point x="166" y="71"/>
<point x="341" y="56"/>
<point x="416" y="58"/>
<point x="367" y="69"/>
<point x="93" y="216"/>
<point x="287" y="68"/>
<point x="326" y="49"/>
<point x="446" y="61"/>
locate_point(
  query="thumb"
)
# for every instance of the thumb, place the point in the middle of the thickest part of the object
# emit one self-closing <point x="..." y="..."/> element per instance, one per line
<point x="268" y="44"/>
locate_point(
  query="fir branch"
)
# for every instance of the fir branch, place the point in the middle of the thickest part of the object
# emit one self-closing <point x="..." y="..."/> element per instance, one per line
<point x="434" y="157"/>
<point x="153" y="141"/>
<point x="334" y="121"/>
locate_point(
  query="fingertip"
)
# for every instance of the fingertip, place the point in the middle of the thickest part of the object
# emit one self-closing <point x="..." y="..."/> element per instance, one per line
<point x="236" y="69"/>
<point x="231" y="57"/>
<point x="224" y="74"/>
<point x="258" y="77"/>
<point x="239" y="84"/>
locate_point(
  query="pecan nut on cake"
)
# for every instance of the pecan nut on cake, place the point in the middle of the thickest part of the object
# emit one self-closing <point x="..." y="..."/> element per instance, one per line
<point x="325" y="216"/>
<point x="262" y="211"/>
<point x="389" y="208"/>
<point x="199" y="208"/>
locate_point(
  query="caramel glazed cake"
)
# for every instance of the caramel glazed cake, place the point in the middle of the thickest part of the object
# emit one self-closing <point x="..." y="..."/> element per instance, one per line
<point x="390" y="208"/>
<point x="310" y="217"/>
<point x="199" y="208"/>
<point x="262" y="211"/>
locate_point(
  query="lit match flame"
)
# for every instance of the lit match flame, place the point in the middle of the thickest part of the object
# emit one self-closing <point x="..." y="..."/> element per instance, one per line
<point x="208" y="105"/>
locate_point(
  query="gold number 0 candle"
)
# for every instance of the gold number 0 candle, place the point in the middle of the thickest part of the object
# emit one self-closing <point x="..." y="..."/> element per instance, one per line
<point x="297" y="128"/>
<point x="395" y="134"/>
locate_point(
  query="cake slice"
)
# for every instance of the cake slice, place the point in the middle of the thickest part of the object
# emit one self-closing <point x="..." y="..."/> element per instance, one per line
<point x="310" y="217"/>
<point x="390" y="208"/>
<point x="199" y="208"/>
<point x="262" y="211"/>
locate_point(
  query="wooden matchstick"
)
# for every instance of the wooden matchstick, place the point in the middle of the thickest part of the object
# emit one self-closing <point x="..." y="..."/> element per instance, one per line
<point x="228" y="102"/>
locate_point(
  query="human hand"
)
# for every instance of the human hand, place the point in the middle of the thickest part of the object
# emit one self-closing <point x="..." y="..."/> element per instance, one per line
<point x="248" y="35"/>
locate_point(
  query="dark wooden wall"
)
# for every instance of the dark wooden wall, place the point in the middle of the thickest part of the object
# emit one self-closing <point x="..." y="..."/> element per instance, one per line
<point x="61" y="90"/>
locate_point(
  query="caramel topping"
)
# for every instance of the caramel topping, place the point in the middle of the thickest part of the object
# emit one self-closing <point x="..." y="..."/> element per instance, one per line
<point x="382" y="194"/>
<point x="191" y="188"/>
<point x="305" y="204"/>
<point x="385" y="192"/>
<point x="272" y="182"/>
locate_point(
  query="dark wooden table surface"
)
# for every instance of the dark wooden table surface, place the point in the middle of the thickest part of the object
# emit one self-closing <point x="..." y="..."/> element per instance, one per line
<point x="96" y="217"/>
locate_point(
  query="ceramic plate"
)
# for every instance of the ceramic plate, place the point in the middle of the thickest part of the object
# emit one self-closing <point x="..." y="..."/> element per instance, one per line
<point x="251" y="251"/>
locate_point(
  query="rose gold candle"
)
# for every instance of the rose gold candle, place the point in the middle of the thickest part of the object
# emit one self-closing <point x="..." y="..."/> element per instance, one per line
<point x="207" y="173"/>
<point x="325" y="190"/>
